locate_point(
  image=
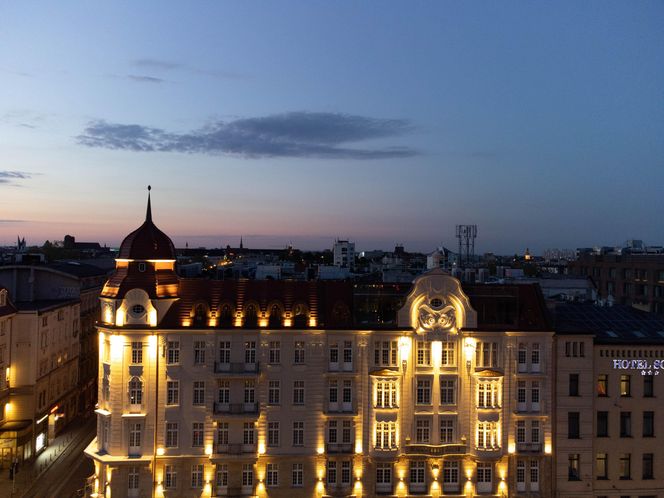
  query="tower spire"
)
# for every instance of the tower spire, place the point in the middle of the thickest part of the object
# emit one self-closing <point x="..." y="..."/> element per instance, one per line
<point x="148" y="214"/>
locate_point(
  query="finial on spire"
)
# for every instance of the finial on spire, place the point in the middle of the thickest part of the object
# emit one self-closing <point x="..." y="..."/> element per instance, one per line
<point x="148" y="214"/>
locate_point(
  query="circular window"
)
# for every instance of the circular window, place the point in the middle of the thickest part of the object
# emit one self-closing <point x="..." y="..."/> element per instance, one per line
<point x="138" y="309"/>
<point x="436" y="303"/>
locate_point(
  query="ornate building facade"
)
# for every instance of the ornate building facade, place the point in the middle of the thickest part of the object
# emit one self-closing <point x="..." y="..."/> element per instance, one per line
<point x="265" y="388"/>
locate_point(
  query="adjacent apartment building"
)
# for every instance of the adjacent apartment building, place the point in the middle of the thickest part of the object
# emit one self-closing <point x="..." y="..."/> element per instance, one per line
<point x="610" y="385"/>
<point x="270" y="388"/>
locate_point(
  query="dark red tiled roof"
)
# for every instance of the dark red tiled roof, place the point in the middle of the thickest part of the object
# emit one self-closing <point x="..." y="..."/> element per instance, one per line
<point x="147" y="242"/>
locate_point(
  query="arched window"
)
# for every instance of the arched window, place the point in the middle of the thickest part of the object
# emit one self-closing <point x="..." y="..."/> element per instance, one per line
<point x="275" y="316"/>
<point x="226" y="316"/>
<point x="300" y="316"/>
<point x="200" y="315"/>
<point x="251" y="316"/>
<point x="135" y="391"/>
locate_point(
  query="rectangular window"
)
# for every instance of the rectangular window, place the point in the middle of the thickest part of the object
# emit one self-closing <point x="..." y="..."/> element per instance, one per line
<point x="385" y="394"/>
<point x="446" y="430"/>
<point x="170" y="477"/>
<point x="197" y="476"/>
<point x="535" y="357"/>
<point x="625" y="385"/>
<point x="224" y="392"/>
<point x="385" y="353"/>
<point x="521" y="394"/>
<point x="173" y="354"/>
<point x="334" y="353"/>
<point x="534" y="431"/>
<point x="298" y="392"/>
<point x="346" y="431"/>
<point x="486" y="354"/>
<point x="573" y="425"/>
<point x="423" y="392"/>
<point x="447" y="391"/>
<point x="422" y="431"/>
<point x="197" y="434"/>
<point x="448" y="355"/>
<point x="487" y="435"/>
<point x="417" y="472"/>
<point x="172" y="392"/>
<point x="198" y="393"/>
<point x="298" y="433"/>
<point x="625" y="466"/>
<point x="602" y="424"/>
<point x="135" y="430"/>
<point x="297" y="475"/>
<point x="386" y="435"/>
<point x="348" y="352"/>
<point x="534" y="475"/>
<point x="249" y="391"/>
<point x="346" y="470"/>
<point x="273" y="434"/>
<point x="451" y="472"/>
<point x="224" y="352"/>
<point x="137" y="353"/>
<point x="250" y="352"/>
<point x="384" y="475"/>
<point x="332" y="432"/>
<point x="602" y="385"/>
<point x="347" y="393"/>
<point x="534" y="396"/>
<point x="333" y="391"/>
<point x="521" y="475"/>
<point x="522" y="355"/>
<point x="573" y="384"/>
<point x="275" y="352"/>
<point x="484" y="472"/>
<point x="332" y="473"/>
<point x="423" y="353"/>
<point x="274" y="392"/>
<point x="247" y="475"/>
<point x="298" y="352"/>
<point x="199" y="352"/>
<point x="172" y="433"/>
<point x="132" y="481"/>
<point x="573" y="473"/>
<point x="601" y="466"/>
<point x="487" y="394"/>
<point x="272" y="474"/>
<point x="625" y="424"/>
<point x="222" y="433"/>
<point x="520" y="431"/>
<point x="222" y="475"/>
<point x="648" y="424"/>
<point x="648" y="467"/>
<point x="648" y="386"/>
<point x="249" y="433"/>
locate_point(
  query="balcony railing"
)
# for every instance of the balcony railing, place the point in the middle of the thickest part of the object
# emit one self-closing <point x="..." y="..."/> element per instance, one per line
<point x="236" y="408"/>
<point x="529" y="447"/>
<point x="339" y="447"/>
<point x="435" y="450"/>
<point x="236" y="368"/>
<point x="235" y="449"/>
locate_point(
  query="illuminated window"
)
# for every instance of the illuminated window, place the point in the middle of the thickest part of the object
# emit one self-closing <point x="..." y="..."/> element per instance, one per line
<point x="135" y="430"/>
<point x="137" y="353"/>
<point x="602" y="385"/>
<point x="487" y="435"/>
<point x="625" y="385"/>
<point x="625" y="466"/>
<point x="601" y="466"/>
<point x="386" y="435"/>
<point x="423" y="353"/>
<point x="386" y="393"/>
<point x="135" y="391"/>
<point x="448" y="355"/>
<point x="488" y="394"/>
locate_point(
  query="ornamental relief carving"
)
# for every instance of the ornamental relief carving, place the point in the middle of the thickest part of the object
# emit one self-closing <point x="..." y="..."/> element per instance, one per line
<point x="437" y="316"/>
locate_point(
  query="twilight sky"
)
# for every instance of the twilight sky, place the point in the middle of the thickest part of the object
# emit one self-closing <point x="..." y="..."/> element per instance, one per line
<point x="384" y="122"/>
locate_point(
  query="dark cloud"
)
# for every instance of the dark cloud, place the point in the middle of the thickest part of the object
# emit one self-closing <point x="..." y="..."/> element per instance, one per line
<point x="293" y="134"/>
<point x="144" y="79"/>
<point x="10" y="177"/>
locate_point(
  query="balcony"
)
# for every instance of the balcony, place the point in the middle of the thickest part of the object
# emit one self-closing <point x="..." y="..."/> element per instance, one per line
<point x="235" y="449"/>
<point x="435" y="450"/>
<point x="340" y="408"/>
<point x="236" y="368"/>
<point x="335" y="366"/>
<point x="236" y="408"/>
<point x="529" y="447"/>
<point x="339" y="448"/>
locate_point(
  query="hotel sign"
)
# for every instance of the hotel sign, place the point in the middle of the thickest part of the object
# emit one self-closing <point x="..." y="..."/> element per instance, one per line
<point x="646" y="367"/>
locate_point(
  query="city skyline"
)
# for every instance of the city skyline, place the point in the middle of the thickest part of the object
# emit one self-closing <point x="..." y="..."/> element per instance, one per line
<point x="309" y="122"/>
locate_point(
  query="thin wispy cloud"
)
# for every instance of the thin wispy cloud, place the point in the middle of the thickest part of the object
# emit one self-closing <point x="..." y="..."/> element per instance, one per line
<point x="11" y="177"/>
<point x="140" y="78"/>
<point x="294" y="134"/>
<point x="149" y="64"/>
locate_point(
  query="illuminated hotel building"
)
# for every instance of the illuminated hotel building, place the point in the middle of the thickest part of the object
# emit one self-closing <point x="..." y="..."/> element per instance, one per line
<point x="267" y="388"/>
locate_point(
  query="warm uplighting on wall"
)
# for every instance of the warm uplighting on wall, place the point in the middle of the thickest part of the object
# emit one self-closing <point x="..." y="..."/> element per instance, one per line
<point x="358" y="447"/>
<point x="238" y="320"/>
<point x="320" y="450"/>
<point x="437" y="353"/>
<point x="511" y="447"/>
<point x="435" y="471"/>
<point x="152" y="317"/>
<point x="208" y="449"/>
<point x="547" y="448"/>
<point x="261" y="448"/>
<point x="117" y="343"/>
<point x="312" y="321"/>
<point x="186" y="322"/>
<point x="108" y="315"/>
<point x="212" y="322"/>
<point x="405" y="344"/>
<point x="262" y="322"/>
<point x="469" y="348"/>
<point x="152" y="346"/>
<point x="288" y="322"/>
<point x="119" y="318"/>
<point x="9" y="407"/>
<point x="160" y="451"/>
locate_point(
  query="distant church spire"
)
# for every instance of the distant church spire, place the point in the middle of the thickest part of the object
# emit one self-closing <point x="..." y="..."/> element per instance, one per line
<point x="148" y="214"/>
